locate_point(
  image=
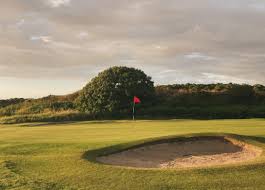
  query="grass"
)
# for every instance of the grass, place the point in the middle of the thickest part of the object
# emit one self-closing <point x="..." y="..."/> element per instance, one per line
<point x="60" y="156"/>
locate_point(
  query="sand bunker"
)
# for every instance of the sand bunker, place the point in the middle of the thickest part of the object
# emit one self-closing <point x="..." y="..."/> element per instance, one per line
<point x="188" y="152"/>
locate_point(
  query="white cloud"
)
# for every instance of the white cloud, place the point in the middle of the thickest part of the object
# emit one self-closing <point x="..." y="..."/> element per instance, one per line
<point x="200" y="56"/>
<point x="168" y="71"/>
<point x="82" y="35"/>
<point x="56" y="45"/>
<point x="58" y="3"/>
<point x="64" y="45"/>
<point x="45" y="39"/>
<point x="20" y="22"/>
<point x="219" y="78"/>
<point x="160" y="47"/>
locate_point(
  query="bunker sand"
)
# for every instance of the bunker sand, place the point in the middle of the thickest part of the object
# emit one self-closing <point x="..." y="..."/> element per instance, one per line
<point x="190" y="152"/>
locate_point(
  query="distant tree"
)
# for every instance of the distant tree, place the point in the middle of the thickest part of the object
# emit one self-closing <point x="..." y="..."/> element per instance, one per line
<point x="4" y="103"/>
<point x="112" y="91"/>
<point x="241" y="93"/>
<point x="259" y="89"/>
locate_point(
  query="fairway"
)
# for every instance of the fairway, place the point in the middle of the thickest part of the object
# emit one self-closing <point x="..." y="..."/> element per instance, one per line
<point x="62" y="156"/>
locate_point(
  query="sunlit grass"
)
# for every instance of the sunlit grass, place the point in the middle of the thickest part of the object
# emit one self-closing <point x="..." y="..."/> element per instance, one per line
<point x="51" y="156"/>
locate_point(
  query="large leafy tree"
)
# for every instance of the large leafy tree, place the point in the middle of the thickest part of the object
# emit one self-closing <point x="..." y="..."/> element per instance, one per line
<point x="112" y="91"/>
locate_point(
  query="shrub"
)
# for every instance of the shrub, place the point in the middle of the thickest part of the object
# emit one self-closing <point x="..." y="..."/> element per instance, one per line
<point x="112" y="91"/>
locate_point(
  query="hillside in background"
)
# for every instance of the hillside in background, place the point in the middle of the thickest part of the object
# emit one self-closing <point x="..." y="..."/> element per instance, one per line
<point x="34" y="106"/>
<point x="203" y="101"/>
<point x="8" y="102"/>
<point x="209" y="101"/>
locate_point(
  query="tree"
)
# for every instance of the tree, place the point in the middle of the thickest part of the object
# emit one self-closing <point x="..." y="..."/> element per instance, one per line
<point x="112" y="91"/>
<point x="242" y="94"/>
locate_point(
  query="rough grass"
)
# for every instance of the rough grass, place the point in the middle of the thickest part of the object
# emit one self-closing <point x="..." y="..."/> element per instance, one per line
<point x="45" y="117"/>
<point x="60" y="156"/>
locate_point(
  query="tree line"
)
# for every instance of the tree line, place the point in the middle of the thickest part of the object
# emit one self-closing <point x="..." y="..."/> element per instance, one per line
<point x="109" y="96"/>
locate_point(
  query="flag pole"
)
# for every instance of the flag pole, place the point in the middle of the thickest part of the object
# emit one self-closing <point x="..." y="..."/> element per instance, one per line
<point x="133" y="110"/>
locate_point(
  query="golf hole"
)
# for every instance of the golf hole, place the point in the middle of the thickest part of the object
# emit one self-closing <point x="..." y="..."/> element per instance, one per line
<point x="184" y="153"/>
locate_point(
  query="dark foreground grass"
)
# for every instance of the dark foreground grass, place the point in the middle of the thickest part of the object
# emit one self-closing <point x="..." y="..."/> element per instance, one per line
<point x="61" y="156"/>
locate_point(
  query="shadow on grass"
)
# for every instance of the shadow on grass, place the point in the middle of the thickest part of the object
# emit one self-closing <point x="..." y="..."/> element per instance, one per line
<point x="44" y="124"/>
<point x="47" y="124"/>
<point x="91" y="155"/>
<point x="65" y="123"/>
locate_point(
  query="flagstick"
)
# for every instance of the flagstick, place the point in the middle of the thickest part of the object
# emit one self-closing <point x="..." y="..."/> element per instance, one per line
<point x="133" y="110"/>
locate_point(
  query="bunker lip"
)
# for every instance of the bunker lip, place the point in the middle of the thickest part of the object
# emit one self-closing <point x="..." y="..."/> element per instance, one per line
<point x="184" y="153"/>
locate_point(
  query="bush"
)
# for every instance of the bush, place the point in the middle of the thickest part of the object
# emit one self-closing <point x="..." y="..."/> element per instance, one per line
<point x="112" y="91"/>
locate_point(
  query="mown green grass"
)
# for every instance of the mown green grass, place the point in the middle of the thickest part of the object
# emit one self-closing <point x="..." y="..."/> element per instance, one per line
<point x="60" y="156"/>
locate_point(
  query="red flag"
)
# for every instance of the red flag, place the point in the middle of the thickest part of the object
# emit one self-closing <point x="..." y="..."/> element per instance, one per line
<point x="136" y="100"/>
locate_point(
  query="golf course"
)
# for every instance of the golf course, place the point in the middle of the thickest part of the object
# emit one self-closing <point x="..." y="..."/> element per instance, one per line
<point x="64" y="155"/>
<point x="132" y="95"/>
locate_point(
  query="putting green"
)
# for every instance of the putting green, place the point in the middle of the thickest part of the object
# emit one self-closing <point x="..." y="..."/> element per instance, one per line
<point x="63" y="156"/>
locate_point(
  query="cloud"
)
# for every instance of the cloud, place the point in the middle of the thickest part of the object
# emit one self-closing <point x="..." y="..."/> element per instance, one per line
<point x="173" y="41"/>
<point x="58" y="3"/>
<point x="82" y="35"/>
<point x="53" y="44"/>
<point x="20" y="23"/>
<point x="219" y="78"/>
<point x="197" y="55"/>
<point x="45" y="39"/>
<point x="168" y="71"/>
<point x="257" y="6"/>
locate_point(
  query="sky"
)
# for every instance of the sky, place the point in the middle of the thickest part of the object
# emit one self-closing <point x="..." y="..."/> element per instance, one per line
<point x="57" y="46"/>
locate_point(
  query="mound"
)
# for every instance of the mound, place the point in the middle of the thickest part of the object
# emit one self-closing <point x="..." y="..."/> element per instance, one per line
<point x="189" y="152"/>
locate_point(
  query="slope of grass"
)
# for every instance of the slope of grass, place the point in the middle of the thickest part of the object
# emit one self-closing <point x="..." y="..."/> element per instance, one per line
<point x="60" y="156"/>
